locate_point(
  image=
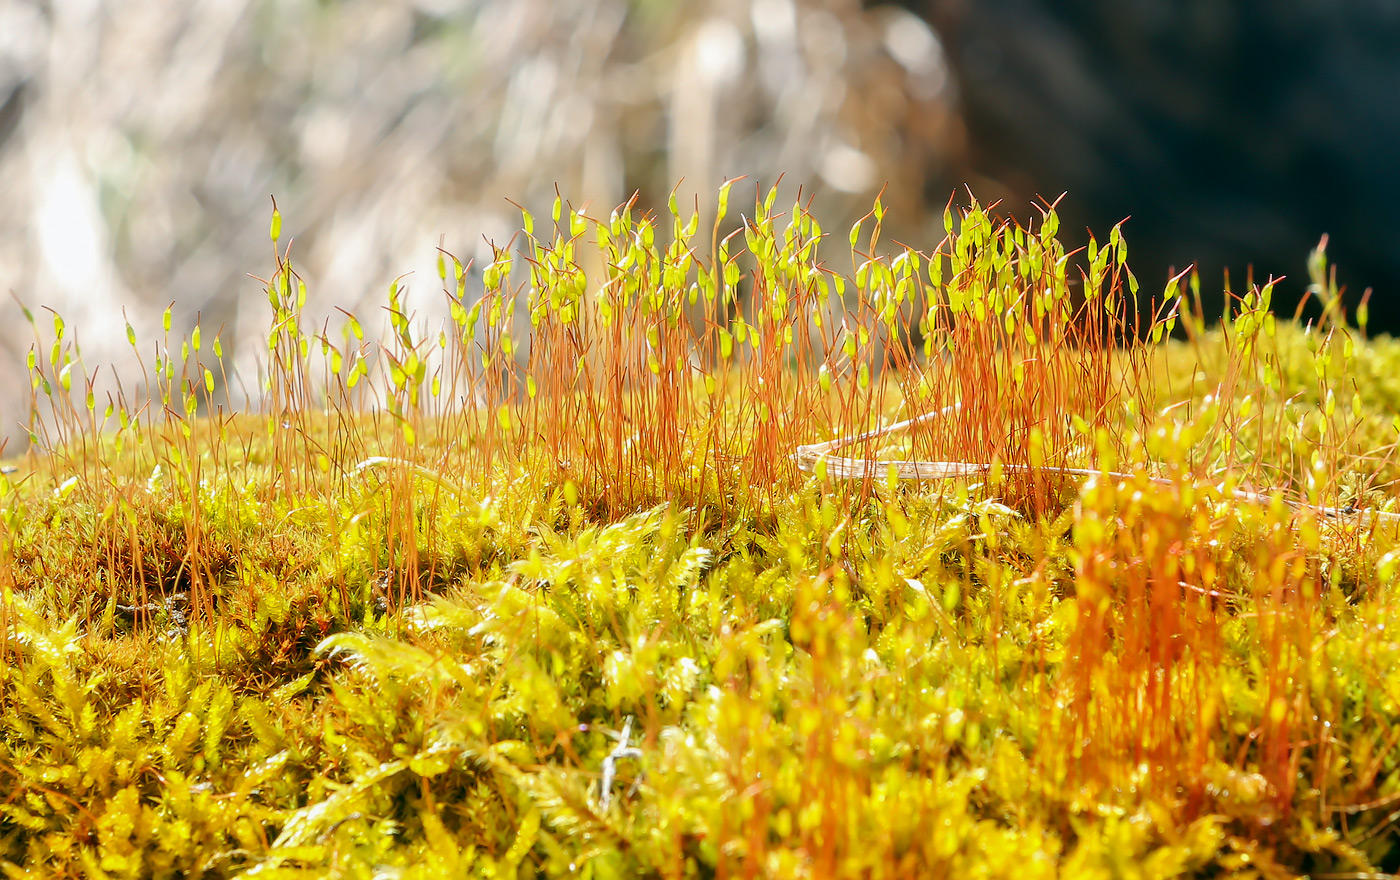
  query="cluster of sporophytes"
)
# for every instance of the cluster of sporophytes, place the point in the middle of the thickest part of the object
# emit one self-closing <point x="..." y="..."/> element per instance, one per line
<point x="576" y="584"/>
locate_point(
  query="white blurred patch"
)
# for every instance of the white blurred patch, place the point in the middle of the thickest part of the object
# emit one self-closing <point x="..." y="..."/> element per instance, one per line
<point x="70" y="228"/>
<point x="779" y="62"/>
<point x="719" y="51"/>
<point x="325" y="137"/>
<point x="22" y="35"/>
<point x="847" y="169"/>
<point x="912" y="43"/>
<point x="715" y="59"/>
<point x="774" y="21"/>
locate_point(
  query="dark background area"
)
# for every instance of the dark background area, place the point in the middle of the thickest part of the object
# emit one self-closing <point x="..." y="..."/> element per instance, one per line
<point x="1233" y="132"/>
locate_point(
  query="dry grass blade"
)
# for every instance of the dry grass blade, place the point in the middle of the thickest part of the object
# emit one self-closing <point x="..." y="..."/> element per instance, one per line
<point x="818" y="459"/>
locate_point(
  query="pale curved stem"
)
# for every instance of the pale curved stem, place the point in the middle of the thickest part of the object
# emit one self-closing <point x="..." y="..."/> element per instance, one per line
<point x="838" y="467"/>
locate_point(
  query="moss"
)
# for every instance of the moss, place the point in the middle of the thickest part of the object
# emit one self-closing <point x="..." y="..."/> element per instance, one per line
<point x="579" y="611"/>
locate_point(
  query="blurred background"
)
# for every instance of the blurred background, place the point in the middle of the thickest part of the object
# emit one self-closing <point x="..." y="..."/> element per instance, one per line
<point x="140" y="139"/>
